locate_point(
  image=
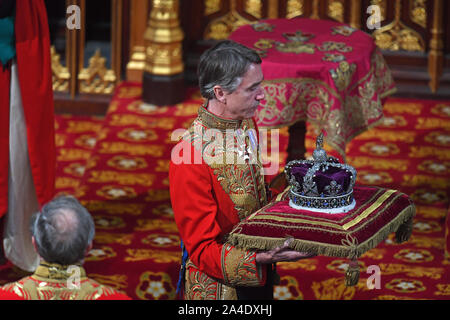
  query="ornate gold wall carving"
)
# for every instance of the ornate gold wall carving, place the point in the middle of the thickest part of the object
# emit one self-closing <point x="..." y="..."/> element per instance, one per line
<point x="418" y="12"/>
<point x="335" y="10"/>
<point x="397" y="35"/>
<point x="294" y="8"/>
<point x="221" y="27"/>
<point x="212" y="6"/>
<point x="221" y="17"/>
<point x="96" y="78"/>
<point x="254" y="7"/>
<point x="60" y="74"/>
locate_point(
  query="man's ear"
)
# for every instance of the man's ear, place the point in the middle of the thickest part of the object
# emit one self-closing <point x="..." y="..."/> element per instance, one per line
<point x="89" y="248"/>
<point x="33" y="241"/>
<point x="220" y="94"/>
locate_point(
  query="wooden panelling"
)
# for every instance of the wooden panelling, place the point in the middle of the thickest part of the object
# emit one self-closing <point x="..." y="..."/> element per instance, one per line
<point x="414" y="37"/>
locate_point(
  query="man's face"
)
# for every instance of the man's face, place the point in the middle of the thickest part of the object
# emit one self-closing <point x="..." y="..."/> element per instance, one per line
<point x="243" y="102"/>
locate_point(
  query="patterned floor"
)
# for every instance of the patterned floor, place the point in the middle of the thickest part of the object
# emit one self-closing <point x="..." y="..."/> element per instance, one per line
<point x="118" y="167"/>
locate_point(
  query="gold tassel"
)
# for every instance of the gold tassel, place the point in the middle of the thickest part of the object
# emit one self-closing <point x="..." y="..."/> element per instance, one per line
<point x="352" y="273"/>
<point x="404" y="231"/>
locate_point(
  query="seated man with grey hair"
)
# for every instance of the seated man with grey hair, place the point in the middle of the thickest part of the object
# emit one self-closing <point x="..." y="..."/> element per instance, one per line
<point x="62" y="234"/>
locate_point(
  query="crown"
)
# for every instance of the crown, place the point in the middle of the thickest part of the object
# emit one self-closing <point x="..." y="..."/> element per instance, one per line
<point x="322" y="184"/>
<point x="298" y="36"/>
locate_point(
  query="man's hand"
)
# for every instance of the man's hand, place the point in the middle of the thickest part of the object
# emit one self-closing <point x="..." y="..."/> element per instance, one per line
<point x="283" y="253"/>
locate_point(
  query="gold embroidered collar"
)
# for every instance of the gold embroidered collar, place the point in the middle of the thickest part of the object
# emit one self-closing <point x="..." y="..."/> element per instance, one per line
<point x="56" y="271"/>
<point x="212" y="121"/>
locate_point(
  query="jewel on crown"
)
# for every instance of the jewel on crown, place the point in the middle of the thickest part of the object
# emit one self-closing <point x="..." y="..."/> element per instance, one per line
<point x="322" y="184"/>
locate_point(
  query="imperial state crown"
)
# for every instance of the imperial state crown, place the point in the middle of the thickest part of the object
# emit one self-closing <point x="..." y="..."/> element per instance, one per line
<point x="322" y="184"/>
<point x="317" y="188"/>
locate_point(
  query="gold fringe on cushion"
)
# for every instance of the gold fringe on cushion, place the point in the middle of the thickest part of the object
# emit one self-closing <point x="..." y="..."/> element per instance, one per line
<point x="349" y="249"/>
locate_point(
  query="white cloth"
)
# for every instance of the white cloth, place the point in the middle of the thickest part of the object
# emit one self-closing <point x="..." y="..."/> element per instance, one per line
<point x="22" y="199"/>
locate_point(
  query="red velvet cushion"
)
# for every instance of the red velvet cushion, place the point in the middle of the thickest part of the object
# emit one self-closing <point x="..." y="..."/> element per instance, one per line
<point x="377" y="213"/>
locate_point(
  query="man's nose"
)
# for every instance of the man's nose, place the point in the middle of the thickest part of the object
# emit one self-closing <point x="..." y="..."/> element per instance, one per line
<point x="261" y="94"/>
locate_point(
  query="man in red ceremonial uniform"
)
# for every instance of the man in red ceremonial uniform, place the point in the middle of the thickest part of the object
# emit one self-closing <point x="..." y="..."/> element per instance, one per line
<point x="62" y="234"/>
<point x="27" y="147"/>
<point x="216" y="180"/>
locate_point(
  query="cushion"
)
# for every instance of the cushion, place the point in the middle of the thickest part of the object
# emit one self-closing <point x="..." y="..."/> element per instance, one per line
<point x="377" y="213"/>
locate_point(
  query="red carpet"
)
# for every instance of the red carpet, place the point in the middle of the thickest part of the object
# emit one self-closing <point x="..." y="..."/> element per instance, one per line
<point x="118" y="167"/>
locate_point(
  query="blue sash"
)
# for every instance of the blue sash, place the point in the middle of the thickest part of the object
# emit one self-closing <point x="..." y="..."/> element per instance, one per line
<point x="184" y="258"/>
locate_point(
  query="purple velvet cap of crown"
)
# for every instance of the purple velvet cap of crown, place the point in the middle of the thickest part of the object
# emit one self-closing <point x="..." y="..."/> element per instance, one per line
<point x="323" y="179"/>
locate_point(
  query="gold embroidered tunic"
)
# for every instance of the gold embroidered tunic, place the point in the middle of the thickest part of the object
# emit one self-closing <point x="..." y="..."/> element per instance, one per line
<point x="216" y="180"/>
<point x="52" y="281"/>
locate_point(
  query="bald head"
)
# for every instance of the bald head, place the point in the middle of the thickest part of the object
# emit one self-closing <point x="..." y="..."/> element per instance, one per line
<point x="65" y="223"/>
<point x="63" y="230"/>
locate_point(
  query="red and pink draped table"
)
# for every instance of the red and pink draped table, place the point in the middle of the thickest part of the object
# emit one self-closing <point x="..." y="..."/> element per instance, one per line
<point x="320" y="71"/>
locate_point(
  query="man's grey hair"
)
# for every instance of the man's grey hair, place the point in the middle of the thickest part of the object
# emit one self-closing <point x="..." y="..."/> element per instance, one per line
<point x="63" y="230"/>
<point x="224" y="64"/>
